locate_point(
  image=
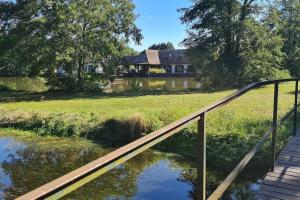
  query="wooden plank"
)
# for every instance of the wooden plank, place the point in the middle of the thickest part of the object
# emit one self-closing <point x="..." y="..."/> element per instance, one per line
<point x="281" y="185"/>
<point x="288" y="163"/>
<point x="284" y="181"/>
<point x="281" y="190"/>
<point x="289" y="154"/>
<point x="287" y="168"/>
<point x="263" y="197"/>
<point x="296" y="174"/>
<point x="275" y="194"/>
<point x="288" y="160"/>
<point x="291" y="148"/>
<point x="296" y="160"/>
<point x="286" y="156"/>
<point x="282" y="156"/>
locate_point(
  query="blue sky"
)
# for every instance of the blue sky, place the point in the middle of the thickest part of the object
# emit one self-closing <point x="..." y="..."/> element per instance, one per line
<point x="159" y="21"/>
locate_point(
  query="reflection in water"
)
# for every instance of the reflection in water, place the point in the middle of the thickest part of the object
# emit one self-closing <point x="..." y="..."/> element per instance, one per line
<point x="127" y="84"/>
<point x="119" y="85"/>
<point x="24" y="84"/>
<point x="27" y="164"/>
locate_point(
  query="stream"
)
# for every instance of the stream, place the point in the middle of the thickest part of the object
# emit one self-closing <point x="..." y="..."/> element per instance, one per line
<point x="28" y="161"/>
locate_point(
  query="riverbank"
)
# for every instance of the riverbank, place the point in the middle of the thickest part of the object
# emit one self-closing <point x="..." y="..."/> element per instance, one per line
<point x="121" y="118"/>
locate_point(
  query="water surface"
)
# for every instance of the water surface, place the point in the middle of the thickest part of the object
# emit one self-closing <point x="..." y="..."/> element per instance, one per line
<point x="27" y="162"/>
<point x="118" y="85"/>
<point x="165" y="83"/>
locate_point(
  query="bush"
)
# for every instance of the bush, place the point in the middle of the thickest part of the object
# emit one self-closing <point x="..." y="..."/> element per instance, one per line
<point x="281" y="74"/>
<point x="122" y="131"/>
<point x="66" y="82"/>
<point x="157" y="71"/>
<point x="66" y="125"/>
<point x="4" y="88"/>
<point x="90" y="82"/>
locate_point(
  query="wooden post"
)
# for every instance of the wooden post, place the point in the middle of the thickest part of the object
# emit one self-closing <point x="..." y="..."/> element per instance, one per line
<point x="296" y="108"/>
<point x="201" y="159"/>
<point x="275" y="107"/>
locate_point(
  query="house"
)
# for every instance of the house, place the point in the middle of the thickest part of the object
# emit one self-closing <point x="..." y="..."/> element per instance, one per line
<point x="88" y="68"/>
<point x="93" y="68"/>
<point x="174" y="62"/>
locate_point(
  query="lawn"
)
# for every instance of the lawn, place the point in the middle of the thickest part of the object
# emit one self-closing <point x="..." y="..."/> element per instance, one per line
<point x="233" y="129"/>
<point x="161" y="106"/>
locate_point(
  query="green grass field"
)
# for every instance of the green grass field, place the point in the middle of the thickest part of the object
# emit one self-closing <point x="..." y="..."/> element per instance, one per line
<point x="232" y="130"/>
<point x="162" y="107"/>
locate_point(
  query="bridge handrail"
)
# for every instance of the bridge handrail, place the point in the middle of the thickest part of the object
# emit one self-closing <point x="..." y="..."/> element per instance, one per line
<point x="77" y="178"/>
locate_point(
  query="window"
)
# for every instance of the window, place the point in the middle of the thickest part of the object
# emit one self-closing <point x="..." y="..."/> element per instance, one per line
<point x="179" y="68"/>
<point x="168" y="68"/>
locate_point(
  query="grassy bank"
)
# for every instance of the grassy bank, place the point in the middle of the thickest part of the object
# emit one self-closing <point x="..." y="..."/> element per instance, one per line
<point x="232" y="130"/>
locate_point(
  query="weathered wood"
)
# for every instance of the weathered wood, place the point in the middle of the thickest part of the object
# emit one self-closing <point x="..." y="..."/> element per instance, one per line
<point x="277" y="180"/>
<point x="291" y="192"/>
<point x="262" y="197"/>
<point x="284" y="181"/>
<point x="281" y="185"/>
<point x="274" y="194"/>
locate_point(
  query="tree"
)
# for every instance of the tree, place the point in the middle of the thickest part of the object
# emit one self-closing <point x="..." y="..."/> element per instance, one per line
<point x="162" y="46"/>
<point x="50" y="33"/>
<point x="290" y="30"/>
<point x="233" y="46"/>
<point x="21" y="38"/>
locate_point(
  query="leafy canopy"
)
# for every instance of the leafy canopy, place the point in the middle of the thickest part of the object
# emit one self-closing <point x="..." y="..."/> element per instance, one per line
<point x="38" y="36"/>
<point x="162" y="46"/>
<point x="290" y="31"/>
<point x="231" y="42"/>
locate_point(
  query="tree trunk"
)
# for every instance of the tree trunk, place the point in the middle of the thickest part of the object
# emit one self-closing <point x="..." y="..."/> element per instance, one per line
<point x="80" y="68"/>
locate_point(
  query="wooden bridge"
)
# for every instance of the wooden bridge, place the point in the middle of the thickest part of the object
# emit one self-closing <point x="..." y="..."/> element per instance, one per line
<point x="282" y="182"/>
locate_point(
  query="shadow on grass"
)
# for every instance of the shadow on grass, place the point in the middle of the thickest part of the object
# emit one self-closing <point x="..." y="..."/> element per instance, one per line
<point x="21" y="96"/>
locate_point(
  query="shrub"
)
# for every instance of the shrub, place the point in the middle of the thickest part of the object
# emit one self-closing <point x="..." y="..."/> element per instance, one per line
<point x="4" y="88"/>
<point x="67" y="125"/>
<point x="124" y="131"/>
<point x="157" y="71"/>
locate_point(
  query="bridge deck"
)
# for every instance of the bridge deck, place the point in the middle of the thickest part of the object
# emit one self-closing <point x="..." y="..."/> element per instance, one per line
<point x="284" y="182"/>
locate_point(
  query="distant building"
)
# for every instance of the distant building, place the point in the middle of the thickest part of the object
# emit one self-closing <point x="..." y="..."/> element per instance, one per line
<point x="88" y="68"/>
<point x="174" y="62"/>
<point x="93" y="68"/>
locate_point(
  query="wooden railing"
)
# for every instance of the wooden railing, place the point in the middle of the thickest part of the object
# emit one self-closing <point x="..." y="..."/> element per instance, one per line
<point x="79" y="177"/>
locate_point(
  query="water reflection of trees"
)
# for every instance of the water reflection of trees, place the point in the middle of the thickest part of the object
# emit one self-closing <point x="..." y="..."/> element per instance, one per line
<point x="30" y="168"/>
<point x="239" y="190"/>
<point x="24" y="84"/>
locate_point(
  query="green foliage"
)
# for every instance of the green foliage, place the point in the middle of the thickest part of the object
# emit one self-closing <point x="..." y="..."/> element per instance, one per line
<point x="70" y="125"/>
<point x="231" y="42"/>
<point x="162" y="46"/>
<point x="289" y="29"/>
<point x="153" y="70"/>
<point x="38" y="36"/>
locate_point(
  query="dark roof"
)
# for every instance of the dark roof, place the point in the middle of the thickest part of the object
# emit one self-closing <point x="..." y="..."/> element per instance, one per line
<point x="169" y="57"/>
<point x="130" y="59"/>
<point x="159" y="57"/>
